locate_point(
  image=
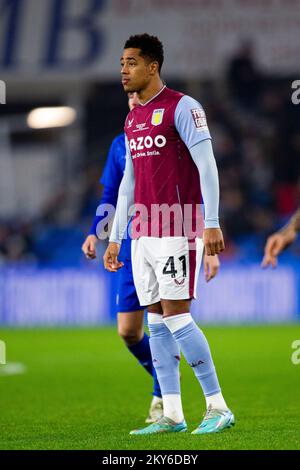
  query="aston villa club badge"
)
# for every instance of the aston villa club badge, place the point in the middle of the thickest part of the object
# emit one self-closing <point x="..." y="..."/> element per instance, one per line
<point x="157" y="117"/>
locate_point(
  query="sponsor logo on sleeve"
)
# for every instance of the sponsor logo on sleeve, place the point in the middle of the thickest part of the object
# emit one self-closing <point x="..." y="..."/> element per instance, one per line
<point x="157" y="117"/>
<point x="199" y="119"/>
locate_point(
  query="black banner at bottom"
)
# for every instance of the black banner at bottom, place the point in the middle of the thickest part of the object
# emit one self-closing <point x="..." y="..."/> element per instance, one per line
<point x="135" y="459"/>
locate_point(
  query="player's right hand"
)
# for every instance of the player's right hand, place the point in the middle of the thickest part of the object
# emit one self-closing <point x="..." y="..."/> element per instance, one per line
<point x="213" y="241"/>
<point x="276" y="243"/>
<point x="89" y="246"/>
<point x="110" y="258"/>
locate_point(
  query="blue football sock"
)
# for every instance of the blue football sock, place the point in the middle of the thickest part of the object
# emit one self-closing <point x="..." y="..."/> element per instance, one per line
<point x="142" y="352"/>
<point x="195" y="349"/>
<point x="166" y="357"/>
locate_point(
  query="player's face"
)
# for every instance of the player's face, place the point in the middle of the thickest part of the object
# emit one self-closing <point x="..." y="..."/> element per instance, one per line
<point x="135" y="70"/>
<point x="133" y="100"/>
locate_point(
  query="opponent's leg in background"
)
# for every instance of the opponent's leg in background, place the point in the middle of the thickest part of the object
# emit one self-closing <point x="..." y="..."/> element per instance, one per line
<point x="195" y="349"/>
<point x="131" y="330"/>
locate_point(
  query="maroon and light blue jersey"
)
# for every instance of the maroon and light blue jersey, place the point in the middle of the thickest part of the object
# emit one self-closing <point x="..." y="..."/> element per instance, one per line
<point x="159" y="135"/>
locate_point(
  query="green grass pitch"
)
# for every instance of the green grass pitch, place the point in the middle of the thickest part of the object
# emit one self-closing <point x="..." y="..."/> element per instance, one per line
<point x="83" y="390"/>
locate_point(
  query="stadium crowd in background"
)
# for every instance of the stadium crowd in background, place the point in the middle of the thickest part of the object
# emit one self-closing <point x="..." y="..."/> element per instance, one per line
<point x="256" y="132"/>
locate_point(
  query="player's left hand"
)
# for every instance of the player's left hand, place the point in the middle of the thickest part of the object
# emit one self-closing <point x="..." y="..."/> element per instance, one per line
<point x="211" y="267"/>
<point x="110" y="258"/>
<point x="213" y="241"/>
<point x="276" y="243"/>
<point x="89" y="246"/>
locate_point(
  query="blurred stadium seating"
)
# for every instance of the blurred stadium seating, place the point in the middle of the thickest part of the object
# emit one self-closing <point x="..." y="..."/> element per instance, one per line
<point x="50" y="185"/>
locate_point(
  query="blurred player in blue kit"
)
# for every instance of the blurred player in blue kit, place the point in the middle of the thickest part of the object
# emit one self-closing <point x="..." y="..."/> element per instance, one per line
<point x="131" y="313"/>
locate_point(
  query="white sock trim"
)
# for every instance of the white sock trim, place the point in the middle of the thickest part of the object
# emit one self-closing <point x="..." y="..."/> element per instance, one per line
<point x="216" y="401"/>
<point x="173" y="407"/>
<point x="155" y="318"/>
<point x="176" y="322"/>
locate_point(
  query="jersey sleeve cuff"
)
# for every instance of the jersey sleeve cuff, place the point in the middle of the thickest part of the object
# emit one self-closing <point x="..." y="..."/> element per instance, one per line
<point x="211" y="223"/>
<point x="205" y="136"/>
<point x="115" y="240"/>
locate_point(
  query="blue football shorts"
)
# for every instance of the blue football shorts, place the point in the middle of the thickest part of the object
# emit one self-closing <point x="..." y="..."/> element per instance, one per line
<point x="127" y="299"/>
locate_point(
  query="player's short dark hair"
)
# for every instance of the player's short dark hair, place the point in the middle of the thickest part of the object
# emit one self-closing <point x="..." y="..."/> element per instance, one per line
<point x="150" y="47"/>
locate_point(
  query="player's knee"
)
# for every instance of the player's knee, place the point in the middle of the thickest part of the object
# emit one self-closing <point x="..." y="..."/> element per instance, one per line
<point x="155" y="308"/>
<point x="175" y="307"/>
<point x="130" y="336"/>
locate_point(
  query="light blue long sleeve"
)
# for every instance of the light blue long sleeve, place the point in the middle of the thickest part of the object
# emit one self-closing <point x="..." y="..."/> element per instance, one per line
<point x="125" y="201"/>
<point x="203" y="156"/>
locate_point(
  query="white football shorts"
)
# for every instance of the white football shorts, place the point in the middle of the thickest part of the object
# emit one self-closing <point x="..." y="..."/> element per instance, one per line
<point x="165" y="268"/>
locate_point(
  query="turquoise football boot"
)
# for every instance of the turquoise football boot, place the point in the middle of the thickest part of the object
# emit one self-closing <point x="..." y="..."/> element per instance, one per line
<point x="162" y="425"/>
<point x="215" y="421"/>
